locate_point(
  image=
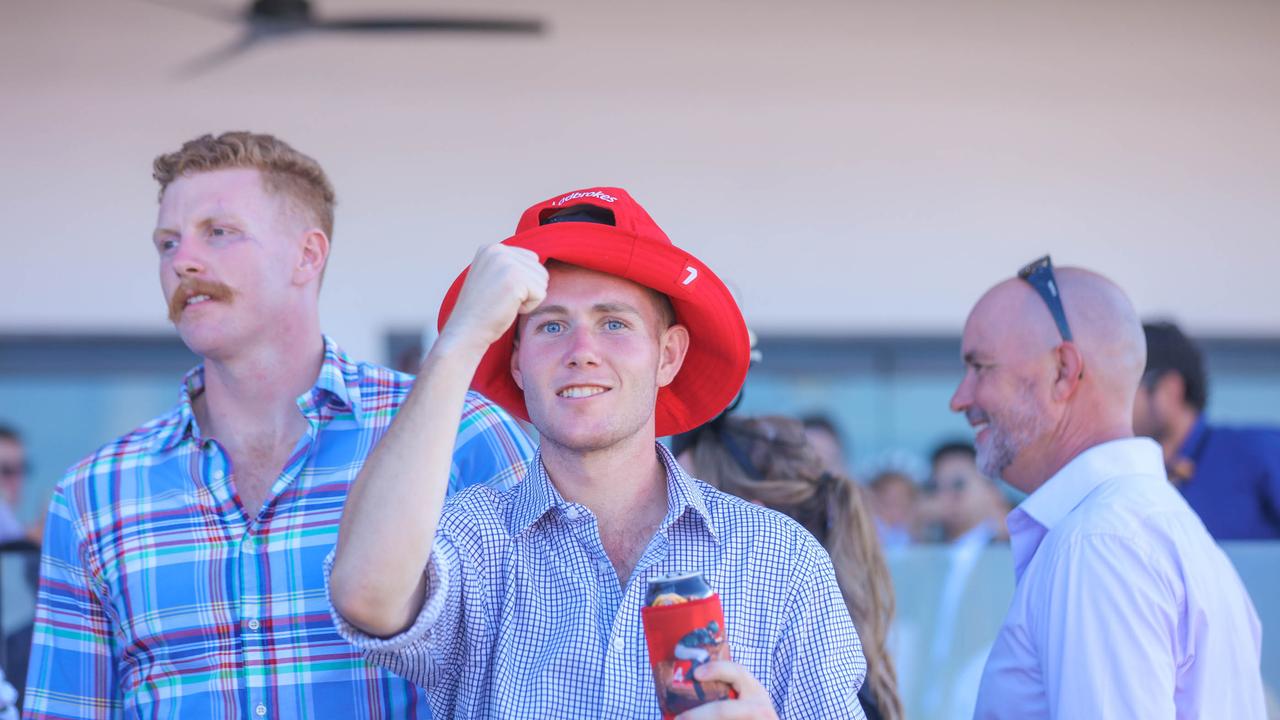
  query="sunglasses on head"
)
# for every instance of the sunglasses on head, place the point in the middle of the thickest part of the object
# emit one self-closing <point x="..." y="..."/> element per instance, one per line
<point x="1039" y="275"/>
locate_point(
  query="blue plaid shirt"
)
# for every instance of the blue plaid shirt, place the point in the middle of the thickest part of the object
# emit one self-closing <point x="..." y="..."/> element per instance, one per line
<point x="526" y="618"/>
<point x="160" y="598"/>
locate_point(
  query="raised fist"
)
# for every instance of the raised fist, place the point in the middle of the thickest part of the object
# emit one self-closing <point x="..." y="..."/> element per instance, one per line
<point x="502" y="283"/>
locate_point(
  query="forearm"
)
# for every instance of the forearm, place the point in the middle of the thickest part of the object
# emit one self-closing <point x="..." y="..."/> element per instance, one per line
<point x="393" y="508"/>
<point x="434" y="644"/>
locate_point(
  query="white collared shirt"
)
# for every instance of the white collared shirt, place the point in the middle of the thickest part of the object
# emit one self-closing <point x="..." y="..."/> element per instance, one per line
<point x="1124" y="605"/>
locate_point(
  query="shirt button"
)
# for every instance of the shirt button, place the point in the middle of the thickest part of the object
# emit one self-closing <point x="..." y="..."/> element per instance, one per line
<point x="218" y="474"/>
<point x="618" y="644"/>
<point x="261" y="710"/>
<point x="254" y="624"/>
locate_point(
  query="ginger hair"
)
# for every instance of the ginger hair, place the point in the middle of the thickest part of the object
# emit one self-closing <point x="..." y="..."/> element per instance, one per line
<point x="284" y="170"/>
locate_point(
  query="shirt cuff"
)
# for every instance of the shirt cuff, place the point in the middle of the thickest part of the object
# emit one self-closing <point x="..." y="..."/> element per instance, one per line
<point x="437" y="571"/>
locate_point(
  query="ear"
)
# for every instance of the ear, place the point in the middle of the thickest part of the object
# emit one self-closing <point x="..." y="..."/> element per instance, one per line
<point x="314" y="256"/>
<point x="673" y="344"/>
<point x="515" y="362"/>
<point x="1070" y="370"/>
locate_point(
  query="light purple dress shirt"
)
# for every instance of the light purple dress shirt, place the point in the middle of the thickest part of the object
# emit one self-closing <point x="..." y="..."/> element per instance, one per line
<point x="1124" y="606"/>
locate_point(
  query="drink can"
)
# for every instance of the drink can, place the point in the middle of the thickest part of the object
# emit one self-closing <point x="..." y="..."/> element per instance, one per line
<point x="684" y="629"/>
<point x="677" y="589"/>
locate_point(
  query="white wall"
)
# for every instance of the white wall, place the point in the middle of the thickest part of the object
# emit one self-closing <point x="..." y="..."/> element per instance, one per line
<point x="849" y="166"/>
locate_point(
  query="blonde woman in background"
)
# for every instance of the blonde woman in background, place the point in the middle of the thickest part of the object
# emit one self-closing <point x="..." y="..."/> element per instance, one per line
<point x="769" y="461"/>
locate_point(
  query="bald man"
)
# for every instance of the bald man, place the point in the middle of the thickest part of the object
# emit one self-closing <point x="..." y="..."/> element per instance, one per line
<point x="1124" y="606"/>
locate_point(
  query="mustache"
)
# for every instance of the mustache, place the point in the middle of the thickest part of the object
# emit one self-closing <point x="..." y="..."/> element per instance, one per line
<point x="975" y="416"/>
<point x="192" y="287"/>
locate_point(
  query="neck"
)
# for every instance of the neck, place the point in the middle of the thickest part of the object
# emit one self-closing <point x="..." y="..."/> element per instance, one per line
<point x="1176" y="432"/>
<point x="625" y="484"/>
<point x="256" y="390"/>
<point x="1063" y="446"/>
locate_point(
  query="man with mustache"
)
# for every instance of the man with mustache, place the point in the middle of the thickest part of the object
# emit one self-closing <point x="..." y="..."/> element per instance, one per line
<point x="496" y="604"/>
<point x="183" y="562"/>
<point x="1124" y="607"/>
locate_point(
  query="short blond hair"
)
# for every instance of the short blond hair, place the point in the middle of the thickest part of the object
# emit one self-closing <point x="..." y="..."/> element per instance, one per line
<point x="284" y="170"/>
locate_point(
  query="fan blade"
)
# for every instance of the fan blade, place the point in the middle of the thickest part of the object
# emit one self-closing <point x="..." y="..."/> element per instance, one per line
<point x="515" y="26"/>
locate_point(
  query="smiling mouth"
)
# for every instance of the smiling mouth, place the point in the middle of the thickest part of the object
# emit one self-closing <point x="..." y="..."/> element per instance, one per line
<point x="581" y="391"/>
<point x="196" y="299"/>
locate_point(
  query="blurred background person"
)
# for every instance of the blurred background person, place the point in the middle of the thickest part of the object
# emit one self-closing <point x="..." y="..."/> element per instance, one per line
<point x="18" y="571"/>
<point x="893" y="498"/>
<point x="1229" y="475"/>
<point x="824" y="435"/>
<point x="13" y="477"/>
<point x="771" y="461"/>
<point x="967" y="506"/>
<point x="965" y="510"/>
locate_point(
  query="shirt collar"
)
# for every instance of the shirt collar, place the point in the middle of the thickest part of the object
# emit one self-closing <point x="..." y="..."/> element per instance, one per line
<point x="1063" y="492"/>
<point x="337" y="385"/>
<point x="537" y="496"/>
<point x="1045" y="508"/>
<point x="1194" y="443"/>
<point x="183" y="423"/>
<point x="684" y="494"/>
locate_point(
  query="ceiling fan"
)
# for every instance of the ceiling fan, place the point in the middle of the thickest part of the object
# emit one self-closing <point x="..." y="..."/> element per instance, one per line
<point x="273" y="19"/>
<point x="297" y="15"/>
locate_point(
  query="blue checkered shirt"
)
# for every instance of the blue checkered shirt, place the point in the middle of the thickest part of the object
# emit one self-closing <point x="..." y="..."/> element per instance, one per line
<point x="525" y="617"/>
<point x="159" y="598"/>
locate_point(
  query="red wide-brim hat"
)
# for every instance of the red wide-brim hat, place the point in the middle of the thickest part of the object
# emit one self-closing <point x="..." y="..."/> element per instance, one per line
<point x="636" y="249"/>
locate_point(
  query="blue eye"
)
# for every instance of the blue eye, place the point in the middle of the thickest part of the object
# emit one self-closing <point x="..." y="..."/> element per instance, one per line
<point x="615" y="325"/>
<point x="552" y="327"/>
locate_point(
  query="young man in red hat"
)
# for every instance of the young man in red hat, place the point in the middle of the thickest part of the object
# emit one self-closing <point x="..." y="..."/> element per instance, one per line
<point x="526" y="603"/>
